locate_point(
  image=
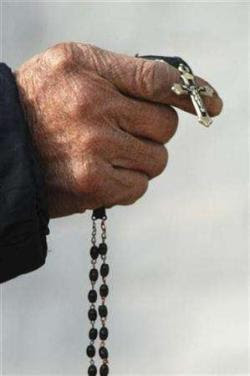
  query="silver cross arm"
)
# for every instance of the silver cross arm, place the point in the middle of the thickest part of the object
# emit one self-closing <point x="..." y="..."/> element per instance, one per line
<point x="189" y="87"/>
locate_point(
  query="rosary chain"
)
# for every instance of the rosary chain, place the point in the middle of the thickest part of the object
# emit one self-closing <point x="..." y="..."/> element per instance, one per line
<point x="95" y="251"/>
<point x="92" y="297"/>
<point x="103" y="312"/>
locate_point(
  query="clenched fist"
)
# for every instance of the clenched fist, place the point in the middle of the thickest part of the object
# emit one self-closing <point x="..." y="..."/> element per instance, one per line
<point x="99" y="121"/>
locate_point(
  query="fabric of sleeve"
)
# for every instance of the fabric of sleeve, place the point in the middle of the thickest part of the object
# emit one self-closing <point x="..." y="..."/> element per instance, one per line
<point x="24" y="214"/>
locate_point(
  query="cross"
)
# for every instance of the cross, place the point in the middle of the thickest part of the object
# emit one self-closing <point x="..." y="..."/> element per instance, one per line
<point x="189" y="87"/>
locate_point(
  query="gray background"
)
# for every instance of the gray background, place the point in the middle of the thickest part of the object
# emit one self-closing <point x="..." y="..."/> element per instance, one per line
<point x="178" y="302"/>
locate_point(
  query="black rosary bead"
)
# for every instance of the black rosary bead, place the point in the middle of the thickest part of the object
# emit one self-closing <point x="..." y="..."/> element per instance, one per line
<point x="104" y="270"/>
<point x="94" y="252"/>
<point x="92" y="314"/>
<point x="93" y="334"/>
<point x="93" y="274"/>
<point x="104" y="370"/>
<point x="103" y="249"/>
<point x="103" y="333"/>
<point x="92" y="370"/>
<point x="103" y="352"/>
<point x="92" y="296"/>
<point x="91" y="351"/>
<point x="103" y="311"/>
<point x="104" y="290"/>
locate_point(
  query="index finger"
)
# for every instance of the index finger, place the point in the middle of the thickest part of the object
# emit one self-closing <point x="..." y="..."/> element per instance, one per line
<point x="155" y="83"/>
<point x="149" y="80"/>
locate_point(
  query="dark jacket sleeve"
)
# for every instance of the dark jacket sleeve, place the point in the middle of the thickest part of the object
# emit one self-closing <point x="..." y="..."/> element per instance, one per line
<point x="23" y="202"/>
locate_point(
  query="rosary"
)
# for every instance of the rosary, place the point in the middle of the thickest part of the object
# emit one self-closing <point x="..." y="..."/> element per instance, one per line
<point x="187" y="87"/>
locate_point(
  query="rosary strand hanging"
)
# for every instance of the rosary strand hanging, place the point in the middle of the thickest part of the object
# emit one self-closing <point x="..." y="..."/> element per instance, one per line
<point x="95" y="252"/>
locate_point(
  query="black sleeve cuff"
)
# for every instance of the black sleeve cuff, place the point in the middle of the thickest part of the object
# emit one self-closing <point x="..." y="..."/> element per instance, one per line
<point x="24" y="214"/>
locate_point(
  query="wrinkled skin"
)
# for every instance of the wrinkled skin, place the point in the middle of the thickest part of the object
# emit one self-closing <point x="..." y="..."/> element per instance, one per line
<point x="99" y="122"/>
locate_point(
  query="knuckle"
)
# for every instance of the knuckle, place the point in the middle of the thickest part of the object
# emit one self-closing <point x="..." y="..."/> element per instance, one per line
<point x="85" y="97"/>
<point x="87" y="179"/>
<point x="61" y="55"/>
<point x="92" y="139"/>
<point x="83" y="101"/>
<point x="150" y="76"/>
<point x="79" y="177"/>
<point x="75" y="109"/>
<point x="86" y="48"/>
<point x="89" y="55"/>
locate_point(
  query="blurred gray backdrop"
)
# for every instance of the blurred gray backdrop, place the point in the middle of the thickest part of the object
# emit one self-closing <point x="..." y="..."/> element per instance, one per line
<point x="178" y="301"/>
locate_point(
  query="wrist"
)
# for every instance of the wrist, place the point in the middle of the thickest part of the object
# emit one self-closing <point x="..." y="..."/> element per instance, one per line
<point x="22" y="95"/>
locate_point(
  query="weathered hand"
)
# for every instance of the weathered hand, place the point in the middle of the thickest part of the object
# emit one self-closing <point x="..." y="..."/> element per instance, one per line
<point x="99" y="121"/>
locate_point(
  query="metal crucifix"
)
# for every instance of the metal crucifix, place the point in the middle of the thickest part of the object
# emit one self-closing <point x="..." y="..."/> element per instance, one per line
<point x="190" y="87"/>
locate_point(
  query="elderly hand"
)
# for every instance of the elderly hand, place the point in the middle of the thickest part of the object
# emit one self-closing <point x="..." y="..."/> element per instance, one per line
<point x="99" y="121"/>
